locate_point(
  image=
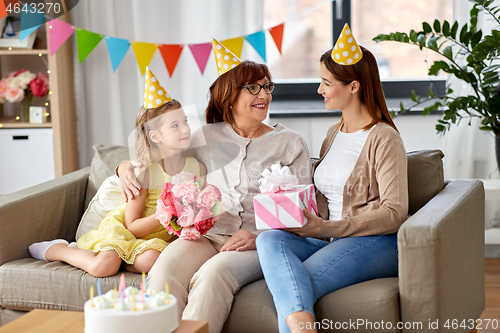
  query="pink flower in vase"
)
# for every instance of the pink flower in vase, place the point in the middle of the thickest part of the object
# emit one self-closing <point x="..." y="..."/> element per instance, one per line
<point x="190" y="233"/>
<point x="14" y="95"/>
<point x="38" y="87"/>
<point x="45" y="78"/>
<point x="3" y="88"/>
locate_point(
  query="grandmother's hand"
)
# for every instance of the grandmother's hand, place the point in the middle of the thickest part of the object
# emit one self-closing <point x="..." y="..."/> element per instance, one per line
<point x="311" y="229"/>
<point x="242" y="240"/>
<point x="130" y="186"/>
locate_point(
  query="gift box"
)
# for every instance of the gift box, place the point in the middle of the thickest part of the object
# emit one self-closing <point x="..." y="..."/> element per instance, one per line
<point x="283" y="209"/>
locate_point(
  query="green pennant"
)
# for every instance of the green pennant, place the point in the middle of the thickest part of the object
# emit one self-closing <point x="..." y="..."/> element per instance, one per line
<point x="86" y="42"/>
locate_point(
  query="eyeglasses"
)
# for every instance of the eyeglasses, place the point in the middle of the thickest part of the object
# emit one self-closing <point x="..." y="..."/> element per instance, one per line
<point x="254" y="88"/>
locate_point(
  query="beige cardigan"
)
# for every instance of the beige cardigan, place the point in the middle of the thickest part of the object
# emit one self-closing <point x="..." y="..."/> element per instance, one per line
<point x="376" y="192"/>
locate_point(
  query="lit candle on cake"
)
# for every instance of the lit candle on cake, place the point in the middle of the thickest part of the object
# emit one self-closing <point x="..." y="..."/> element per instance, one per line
<point x="133" y="300"/>
<point x="114" y="296"/>
<point x="143" y="282"/>
<point x="167" y="295"/>
<point x="98" y="287"/>
<point x="92" y="296"/>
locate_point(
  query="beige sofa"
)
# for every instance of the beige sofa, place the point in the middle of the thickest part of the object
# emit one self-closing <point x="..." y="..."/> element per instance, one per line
<point x="440" y="247"/>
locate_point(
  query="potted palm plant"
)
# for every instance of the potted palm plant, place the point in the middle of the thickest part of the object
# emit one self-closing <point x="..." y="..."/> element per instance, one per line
<point x="468" y="55"/>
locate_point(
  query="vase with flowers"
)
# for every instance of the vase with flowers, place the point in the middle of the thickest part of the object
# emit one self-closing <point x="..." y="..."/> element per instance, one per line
<point x="20" y="87"/>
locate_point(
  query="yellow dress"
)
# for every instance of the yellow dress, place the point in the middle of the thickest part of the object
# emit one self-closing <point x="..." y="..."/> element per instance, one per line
<point x="111" y="233"/>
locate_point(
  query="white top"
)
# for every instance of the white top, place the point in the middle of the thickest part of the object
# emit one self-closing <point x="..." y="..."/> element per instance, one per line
<point x="332" y="173"/>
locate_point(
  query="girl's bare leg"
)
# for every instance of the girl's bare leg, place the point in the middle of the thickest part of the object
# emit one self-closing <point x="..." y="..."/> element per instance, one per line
<point x="143" y="262"/>
<point x="106" y="263"/>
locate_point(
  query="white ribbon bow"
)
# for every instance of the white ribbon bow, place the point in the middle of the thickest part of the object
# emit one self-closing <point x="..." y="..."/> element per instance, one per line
<point x="276" y="179"/>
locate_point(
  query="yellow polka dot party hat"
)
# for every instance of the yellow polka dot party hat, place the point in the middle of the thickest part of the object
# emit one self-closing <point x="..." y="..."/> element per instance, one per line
<point x="346" y="50"/>
<point x="154" y="94"/>
<point x="224" y="59"/>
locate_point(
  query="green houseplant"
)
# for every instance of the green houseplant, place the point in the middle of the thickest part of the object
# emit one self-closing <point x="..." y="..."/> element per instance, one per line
<point x="468" y="55"/>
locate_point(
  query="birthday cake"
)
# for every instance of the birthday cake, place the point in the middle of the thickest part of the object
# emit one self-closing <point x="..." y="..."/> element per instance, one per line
<point x="131" y="311"/>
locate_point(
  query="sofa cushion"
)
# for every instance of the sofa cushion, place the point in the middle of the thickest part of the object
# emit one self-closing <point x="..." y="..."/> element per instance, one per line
<point x="374" y="301"/>
<point x="28" y="284"/>
<point x="425" y="177"/>
<point x="103" y="165"/>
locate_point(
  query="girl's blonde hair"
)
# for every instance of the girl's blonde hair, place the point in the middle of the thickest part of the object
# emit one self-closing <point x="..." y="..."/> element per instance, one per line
<point x="146" y="150"/>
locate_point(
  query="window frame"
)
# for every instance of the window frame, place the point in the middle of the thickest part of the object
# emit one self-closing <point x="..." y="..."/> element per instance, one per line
<point x="289" y="90"/>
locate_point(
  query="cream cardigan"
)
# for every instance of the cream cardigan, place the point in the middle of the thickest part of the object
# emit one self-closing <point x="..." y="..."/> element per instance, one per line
<point x="376" y="192"/>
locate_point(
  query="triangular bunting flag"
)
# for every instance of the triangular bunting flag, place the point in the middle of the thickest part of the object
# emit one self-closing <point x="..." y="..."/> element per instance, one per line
<point x="235" y="45"/>
<point x="144" y="53"/>
<point x="59" y="32"/>
<point x="29" y="22"/>
<point x="170" y="55"/>
<point x="86" y="42"/>
<point x="258" y="41"/>
<point x="201" y="52"/>
<point x="277" y="34"/>
<point x="117" y="48"/>
<point x="3" y="11"/>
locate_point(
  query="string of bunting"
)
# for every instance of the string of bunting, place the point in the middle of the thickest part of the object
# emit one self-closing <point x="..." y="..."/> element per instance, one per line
<point x="59" y="31"/>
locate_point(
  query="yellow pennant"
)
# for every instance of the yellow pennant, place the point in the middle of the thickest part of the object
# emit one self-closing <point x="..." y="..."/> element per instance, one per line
<point x="144" y="52"/>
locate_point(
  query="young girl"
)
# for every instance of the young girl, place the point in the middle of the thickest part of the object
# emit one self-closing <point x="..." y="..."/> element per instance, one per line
<point x="362" y="200"/>
<point x="131" y="233"/>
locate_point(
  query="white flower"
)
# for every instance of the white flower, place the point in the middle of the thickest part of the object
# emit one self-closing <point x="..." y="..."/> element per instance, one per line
<point x="24" y="79"/>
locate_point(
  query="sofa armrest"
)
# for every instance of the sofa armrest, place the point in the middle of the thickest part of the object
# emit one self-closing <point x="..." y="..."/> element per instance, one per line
<point x="43" y="212"/>
<point x="441" y="257"/>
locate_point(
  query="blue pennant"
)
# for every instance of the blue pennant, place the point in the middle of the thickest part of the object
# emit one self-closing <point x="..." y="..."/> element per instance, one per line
<point x="30" y="22"/>
<point x="117" y="48"/>
<point x="258" y="41"/>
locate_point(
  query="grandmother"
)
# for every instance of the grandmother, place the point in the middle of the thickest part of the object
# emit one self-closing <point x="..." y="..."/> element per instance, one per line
<point x="205" y="274"/>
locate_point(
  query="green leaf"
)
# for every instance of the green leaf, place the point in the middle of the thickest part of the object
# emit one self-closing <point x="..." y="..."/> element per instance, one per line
<point x="446" y="28"/>
<point x="476" y="38"/>
<point x="437" y="26"/>
<point x="426" y="27"/>
<point x="216" y="208"/>
<point x="440" y="128"/>
<point x="439" y="65"/>
<point x="413" y="36"/>
<point x="421" y="39"/>
<point x="485" y="128"/>
<point x="449" y="91"/>
<point x="454" y="28"/>
<point x="448" y="52"/>
<point x="429" y="91"/>
<point x="200" y="182"/>
<point x="432" y="44"/>
<point x="463" y="33"/>
<point x="401" y="106"/>
<point x="174" y="224"/>
<point x="413" y="98"/>
<point x="381" y="38"/>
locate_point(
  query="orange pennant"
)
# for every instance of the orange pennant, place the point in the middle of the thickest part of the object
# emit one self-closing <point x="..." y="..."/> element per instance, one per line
<point x="277" y="34"/>
<point x="3" y="11"/>
<point x="171" y="55"/>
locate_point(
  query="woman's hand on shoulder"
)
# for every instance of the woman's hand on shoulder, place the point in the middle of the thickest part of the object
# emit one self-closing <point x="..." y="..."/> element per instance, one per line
<point x="130" y="185"/>
<point x="311" y="229"/>
<point x="242" y="240"/>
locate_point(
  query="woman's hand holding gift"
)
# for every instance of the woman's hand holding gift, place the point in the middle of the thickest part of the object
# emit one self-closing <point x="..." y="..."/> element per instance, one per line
<point x="242" y="240"/>
<point x="311" y="229"/>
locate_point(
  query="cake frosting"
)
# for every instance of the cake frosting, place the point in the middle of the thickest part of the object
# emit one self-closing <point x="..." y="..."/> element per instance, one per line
<point x="131" y="312"/>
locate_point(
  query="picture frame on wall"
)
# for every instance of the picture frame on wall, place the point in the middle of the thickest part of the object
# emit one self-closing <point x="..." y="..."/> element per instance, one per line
<point x="10" y="34"/>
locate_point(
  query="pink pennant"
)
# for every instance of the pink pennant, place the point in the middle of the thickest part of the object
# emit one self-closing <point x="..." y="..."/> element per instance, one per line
<point x="201" y="52"/>
<point x="59" y="32"/>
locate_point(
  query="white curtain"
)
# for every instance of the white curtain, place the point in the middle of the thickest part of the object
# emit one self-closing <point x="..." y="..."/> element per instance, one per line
<point x="470" y="152"/>
<point x="107" y="102"/>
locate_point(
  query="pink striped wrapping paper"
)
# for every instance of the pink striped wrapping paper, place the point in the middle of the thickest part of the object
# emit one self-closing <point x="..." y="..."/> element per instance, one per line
<point x="283" y="209"/>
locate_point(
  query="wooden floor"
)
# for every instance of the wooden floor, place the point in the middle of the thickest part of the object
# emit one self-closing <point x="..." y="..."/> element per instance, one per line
<point x="492" y="310"/>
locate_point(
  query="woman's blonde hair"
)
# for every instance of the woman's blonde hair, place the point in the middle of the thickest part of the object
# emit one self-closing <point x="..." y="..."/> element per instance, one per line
<point x="146" y="150"/>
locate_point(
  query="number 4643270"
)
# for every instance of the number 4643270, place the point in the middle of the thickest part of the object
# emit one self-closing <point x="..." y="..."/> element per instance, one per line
<point x="41" y="8"/>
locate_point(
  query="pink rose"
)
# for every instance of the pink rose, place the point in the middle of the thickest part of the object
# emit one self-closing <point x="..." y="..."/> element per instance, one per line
<point x="38" y="87"/>
<point x="44" y="77"/>
<point x="15" y="74"/>
<point x="186" y="219"/>
<point x="190" y="233"/>
<point x="186" y="192"/>
<point x="3" y="88"/>
<point x="14" y="95"/>
<point x="207" y="198"/>
<point x="164" y="213"/>
<point x="183" y="177"/>
<point x="204" y="221"/>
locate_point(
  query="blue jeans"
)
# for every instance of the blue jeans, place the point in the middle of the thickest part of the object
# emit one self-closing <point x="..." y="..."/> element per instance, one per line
<point x="299" y="271"/>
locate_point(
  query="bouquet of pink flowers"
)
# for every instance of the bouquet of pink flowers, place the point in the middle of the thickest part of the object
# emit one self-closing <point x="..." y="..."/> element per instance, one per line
<point x="20" y="85"/>
<point x="188" y="206"/>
